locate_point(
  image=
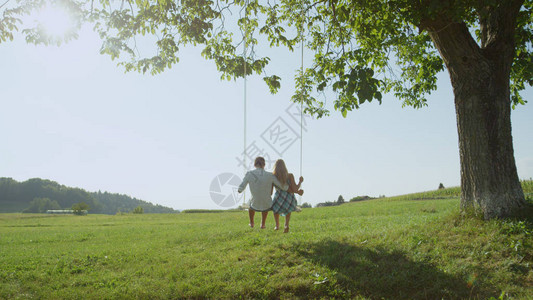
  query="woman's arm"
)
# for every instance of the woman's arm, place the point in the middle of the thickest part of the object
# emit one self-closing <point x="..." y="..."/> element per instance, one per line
<point x="293" y="187"/>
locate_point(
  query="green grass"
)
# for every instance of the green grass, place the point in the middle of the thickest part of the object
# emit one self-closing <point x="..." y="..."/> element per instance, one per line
<point x="447" y="193"/>
<point x="208" y="211"/>
<point x="527" y="186"/>
<point x="455" y="192"/>
<point x="386" y="248"/>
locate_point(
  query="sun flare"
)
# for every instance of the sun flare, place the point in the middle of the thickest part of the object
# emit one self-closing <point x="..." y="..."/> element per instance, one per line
<point x="55" y="21"/>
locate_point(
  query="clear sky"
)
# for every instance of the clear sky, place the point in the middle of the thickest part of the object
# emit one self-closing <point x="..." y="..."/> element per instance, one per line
<point x="71" y="115"/>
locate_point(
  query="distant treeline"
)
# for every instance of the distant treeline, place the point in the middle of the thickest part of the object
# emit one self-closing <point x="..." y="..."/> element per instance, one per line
<point x="37" y="195"/>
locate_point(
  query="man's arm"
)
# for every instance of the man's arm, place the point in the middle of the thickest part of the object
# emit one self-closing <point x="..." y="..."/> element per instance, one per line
<point x="276" y="182"/>
<point x="243" y="184"/>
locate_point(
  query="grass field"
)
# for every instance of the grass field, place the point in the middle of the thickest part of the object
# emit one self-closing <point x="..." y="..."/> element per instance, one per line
<point x="386" y="248"/>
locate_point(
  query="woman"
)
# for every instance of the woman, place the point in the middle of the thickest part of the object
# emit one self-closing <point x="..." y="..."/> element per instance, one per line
<point x="284" y="202"/>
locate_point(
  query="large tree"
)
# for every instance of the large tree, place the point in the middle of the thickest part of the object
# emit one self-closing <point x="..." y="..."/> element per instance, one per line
<point x="362" y="48"/>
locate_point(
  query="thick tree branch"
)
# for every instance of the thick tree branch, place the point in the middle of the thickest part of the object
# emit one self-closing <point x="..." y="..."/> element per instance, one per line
<point x="453" y="41"/>
<point x="497" y="23"/>
<point x="498" y="27"/>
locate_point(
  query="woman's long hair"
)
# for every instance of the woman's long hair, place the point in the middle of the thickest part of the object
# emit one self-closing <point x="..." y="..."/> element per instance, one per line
<point x="280" y="171"/>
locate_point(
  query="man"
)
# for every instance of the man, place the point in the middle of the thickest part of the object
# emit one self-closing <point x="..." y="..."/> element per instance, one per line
<point x="261" y="183"/>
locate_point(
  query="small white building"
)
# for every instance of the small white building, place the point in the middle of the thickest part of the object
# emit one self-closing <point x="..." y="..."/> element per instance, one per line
<point x="64" y="212"/>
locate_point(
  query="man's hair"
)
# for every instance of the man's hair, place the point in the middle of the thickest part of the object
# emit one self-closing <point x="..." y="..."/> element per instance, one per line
<point x="259" y="162"/>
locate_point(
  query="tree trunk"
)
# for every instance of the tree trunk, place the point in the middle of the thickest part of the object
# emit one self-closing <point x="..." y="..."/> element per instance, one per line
<point x="480" y="80"/>
<point x="489" y="180"/>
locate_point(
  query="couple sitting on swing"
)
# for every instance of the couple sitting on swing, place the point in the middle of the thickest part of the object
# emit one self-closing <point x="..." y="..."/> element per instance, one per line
<point x="262" y="185"/>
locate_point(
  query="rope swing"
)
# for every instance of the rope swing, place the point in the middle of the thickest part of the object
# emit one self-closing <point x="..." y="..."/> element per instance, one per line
<point x="301" y="112"/>
<point x="245" y="56"/>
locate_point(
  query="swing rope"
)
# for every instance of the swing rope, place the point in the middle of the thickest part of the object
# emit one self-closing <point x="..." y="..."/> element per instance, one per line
<point x="244" y="55"/>
<point x="301" y="115"/>
<point x="301" y="107"/>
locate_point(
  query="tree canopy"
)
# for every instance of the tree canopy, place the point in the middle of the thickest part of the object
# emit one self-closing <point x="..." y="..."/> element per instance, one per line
<point x="361" y="48"/>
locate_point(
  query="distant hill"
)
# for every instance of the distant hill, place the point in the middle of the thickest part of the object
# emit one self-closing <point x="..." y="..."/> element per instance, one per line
<point x="37" y="195"/>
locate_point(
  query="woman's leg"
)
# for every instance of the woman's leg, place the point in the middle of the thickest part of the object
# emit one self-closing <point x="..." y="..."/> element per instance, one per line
<point x="287" y="220"/>
<point x="251" y="214"/>
<point x="276" y="218"/>
<point x="264" y="215"/>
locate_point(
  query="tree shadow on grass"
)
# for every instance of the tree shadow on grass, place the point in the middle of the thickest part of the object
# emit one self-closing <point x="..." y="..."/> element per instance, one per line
<point x="379" y="273"/>
<point x="526" y="213"/>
